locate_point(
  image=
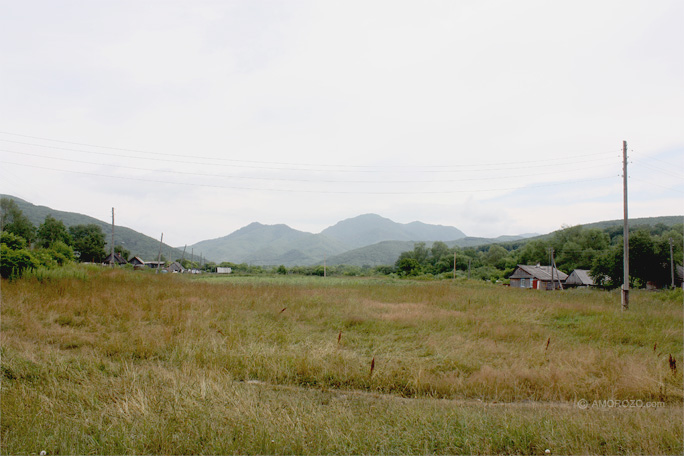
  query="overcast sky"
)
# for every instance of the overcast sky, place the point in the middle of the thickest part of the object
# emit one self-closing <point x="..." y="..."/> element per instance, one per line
<point x="196" y="118"/>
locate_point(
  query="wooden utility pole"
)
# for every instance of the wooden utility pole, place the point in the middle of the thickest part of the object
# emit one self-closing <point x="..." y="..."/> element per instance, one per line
<point x="325" y="266"/>
<point x="454" y="264"/>
<point x="625" y="228"/>
<point x="159" y="257"/>
<point x="111" y="249"/>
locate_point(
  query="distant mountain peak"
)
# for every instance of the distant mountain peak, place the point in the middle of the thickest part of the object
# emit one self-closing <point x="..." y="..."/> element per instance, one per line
<point x="368" y="229"/>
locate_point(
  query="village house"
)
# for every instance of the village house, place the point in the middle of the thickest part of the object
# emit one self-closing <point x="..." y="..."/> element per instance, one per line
<point x="118" y="259"/>
<point x="136" y="261"/>
<point x="175" y="267"/>
<point x="580" y="278"/>
<point x="537" y="277"/>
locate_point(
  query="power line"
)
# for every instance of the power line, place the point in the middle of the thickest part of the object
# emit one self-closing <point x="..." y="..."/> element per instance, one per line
<point x="310" y="191"/>
<point x="657" y="185"/>
<point x="564" y="171"/>
<point x="660" y="170"/>
<point x="358" y="168"/>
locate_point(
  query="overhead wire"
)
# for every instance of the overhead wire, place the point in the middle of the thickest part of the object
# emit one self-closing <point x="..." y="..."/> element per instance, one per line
<point x="564" y="171"/>
<point x="357" y="168"/>
<point x="470" y="190"/>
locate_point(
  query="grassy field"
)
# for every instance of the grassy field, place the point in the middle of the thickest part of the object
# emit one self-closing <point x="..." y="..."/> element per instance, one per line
<point x="112" y="362"/>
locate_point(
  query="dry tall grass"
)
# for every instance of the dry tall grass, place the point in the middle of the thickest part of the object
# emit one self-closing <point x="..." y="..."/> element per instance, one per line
<point x="124" y="362"/>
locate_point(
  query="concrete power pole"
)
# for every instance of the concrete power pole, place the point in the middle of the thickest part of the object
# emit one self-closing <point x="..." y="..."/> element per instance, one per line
<point x="111" y="249"/>
<point x="671" y="265"/>
<point x="553" y="281"/>
<point x="625" y="228"/>
<point x="161" y="241"/>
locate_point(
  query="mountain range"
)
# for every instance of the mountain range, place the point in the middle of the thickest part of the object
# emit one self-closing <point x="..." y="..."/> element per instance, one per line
<point x="279" y="244"/>
<point x="367" y="239"/>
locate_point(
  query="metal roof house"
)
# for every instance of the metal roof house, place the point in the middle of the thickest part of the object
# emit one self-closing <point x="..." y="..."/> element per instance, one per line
<point x="580" y="278"/>
<point x="537" y="277"/>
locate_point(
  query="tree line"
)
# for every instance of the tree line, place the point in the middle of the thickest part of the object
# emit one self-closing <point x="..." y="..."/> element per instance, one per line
<point x="25" y="246"/>
<point x="52" y="244"/>
<point x="593" y="249"/>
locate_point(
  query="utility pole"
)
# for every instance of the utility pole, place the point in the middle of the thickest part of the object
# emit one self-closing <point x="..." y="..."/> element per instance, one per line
<point x="553" y="281"/>
<point x="111" y="257"/>
<point x="159" y="257"/>
<point x="671" y="265"/>
<point x="625" y="228"/>
<point x="554" y="268"/>
<point x="454" y="264"/>
<point x="325" y="266"/>
<point x="469" y="268"/>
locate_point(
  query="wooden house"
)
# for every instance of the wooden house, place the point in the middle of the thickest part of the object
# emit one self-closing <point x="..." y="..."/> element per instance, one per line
<point x="136" y="261"/>
<point x="175" y="267"/>
<point x="580" y="278"/>
<point x="118" y="259"/>
<point x="537" y="277"/>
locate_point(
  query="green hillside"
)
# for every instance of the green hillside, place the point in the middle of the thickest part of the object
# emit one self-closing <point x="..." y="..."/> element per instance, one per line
<point x="263" y="245"/>
<point x="137" y="243"/>
<point x="387" y="252"/>
<point x="378" y="254"/>
<point x="369" y="229"/>
<point x="635" y="222"/>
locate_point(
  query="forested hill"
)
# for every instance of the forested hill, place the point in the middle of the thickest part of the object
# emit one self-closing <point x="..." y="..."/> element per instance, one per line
<point x="637" y="222"/>
<point x="137" y="243"/>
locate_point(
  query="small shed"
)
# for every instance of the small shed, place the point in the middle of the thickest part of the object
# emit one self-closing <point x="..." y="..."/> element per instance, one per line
<point x="155" y="264"/>
<point x="118" y="259"/>
<point x="136" y="261"/>
<point x="580" y="278"/>
<point x="537" y="277"/>
<point x="224" y="270"/>
<point x="175" y="267"/>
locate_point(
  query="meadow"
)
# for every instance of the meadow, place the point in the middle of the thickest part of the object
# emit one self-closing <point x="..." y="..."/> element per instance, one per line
<point x="100" y="361"/>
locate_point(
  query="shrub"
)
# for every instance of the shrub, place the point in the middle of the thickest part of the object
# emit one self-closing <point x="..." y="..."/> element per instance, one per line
<point x="13" y="263"/>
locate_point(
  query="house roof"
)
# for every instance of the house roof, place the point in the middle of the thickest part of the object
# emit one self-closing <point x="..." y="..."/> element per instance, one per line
<point x="580" y="277"/>
<point x="136" y="259"/>
<point x="176" y="266"/>
<point x="117" y="259"/>
<point x="538" y="272"/>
